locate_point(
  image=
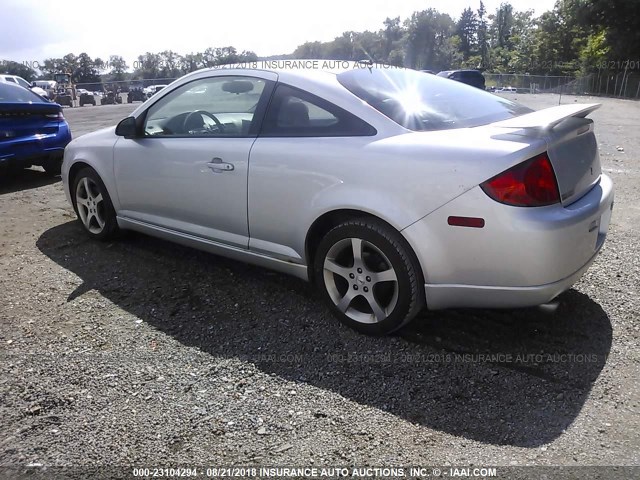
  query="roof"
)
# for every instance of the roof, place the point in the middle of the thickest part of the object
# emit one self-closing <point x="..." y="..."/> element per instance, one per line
<point x="306" y="67"/>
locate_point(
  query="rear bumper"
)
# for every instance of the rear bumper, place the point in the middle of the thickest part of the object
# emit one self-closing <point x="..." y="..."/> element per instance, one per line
<point x="35" y="150"/>
<point x="521" y="257"/>
<point x="483" y="296"/>
<point x="26" y="160"/>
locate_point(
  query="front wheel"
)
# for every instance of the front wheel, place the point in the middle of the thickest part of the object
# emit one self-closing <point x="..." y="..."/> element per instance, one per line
<point x="369" y="277"/>
<point x="93" y="205"/>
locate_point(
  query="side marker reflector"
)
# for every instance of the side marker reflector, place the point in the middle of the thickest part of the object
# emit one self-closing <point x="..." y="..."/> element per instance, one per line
<point x="473" y="222"/>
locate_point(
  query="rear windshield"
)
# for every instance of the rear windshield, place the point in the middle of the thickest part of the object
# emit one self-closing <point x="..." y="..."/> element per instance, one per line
<point x="14" y="93"/>
<point x="423" y="102"/>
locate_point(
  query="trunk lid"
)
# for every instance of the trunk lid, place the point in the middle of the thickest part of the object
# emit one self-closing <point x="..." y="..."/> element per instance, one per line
<point x="19" y="120"/>
<point x="571" y="145"/>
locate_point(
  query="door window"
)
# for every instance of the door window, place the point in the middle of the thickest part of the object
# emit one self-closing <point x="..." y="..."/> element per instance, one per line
<point x="209" y="107"/>
<point x="23" y="83"/>
<point x="296" y="113"/>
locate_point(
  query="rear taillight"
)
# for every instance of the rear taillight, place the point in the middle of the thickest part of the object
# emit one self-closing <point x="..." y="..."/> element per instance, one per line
<point x="55" y="116"/>
<point x="528" y="184"/>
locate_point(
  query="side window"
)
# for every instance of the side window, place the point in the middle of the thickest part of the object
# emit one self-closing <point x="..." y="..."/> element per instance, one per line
<point x="296" y="113"/>
<point x="23" y="83"/>
<point x="209" y="107"/>
<point x="10" y="79"/>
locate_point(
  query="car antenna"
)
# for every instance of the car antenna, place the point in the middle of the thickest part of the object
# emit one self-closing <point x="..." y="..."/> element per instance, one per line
<point x="367" y="62"/>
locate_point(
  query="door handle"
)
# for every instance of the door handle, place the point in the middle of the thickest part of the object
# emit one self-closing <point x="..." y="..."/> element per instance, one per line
<point x="218" y="166"/>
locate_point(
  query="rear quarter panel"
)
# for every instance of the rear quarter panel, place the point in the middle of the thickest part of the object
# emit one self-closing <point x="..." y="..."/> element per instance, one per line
<point x="400" y="179"/>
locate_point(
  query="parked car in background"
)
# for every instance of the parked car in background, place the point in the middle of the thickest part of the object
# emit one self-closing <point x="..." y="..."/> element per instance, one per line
<point x="49" y="86"/>
<point x="85" y="97"/>
<point x="23" y="83"/>
<point x="507" y="90"/>
<point x="389" y="189"/>
<point x="470" y="77"/>
<point x="153" y="89"/>
<point x="33" y="131"/>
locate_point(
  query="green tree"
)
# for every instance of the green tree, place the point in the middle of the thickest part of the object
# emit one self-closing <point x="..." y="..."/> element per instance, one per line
<point x="521" y="50"/>
<point x="467" y="29"/>
<point x="595" y="52"/>
<point x="619" y="22"/>
<point x="392" y="33"/>
<point x="226" y="55"/>
<point x="86" y="71"/>
<point x="368" y="46"/>
<point x="119" y="68"/>
<point x="341" y="48"/>
<point x="148" y="66"/>
<point x="427" y="32"/>
<point x="309" y="50"/>
<point x="483" y="37"/>
<point x="170" y="63"/>
<point x="502" y="25"/>
<point x="14" y="68"/>
<point x="559" y="38"/>
<point x="248" y="56"/>
<point x="191" y="62"/>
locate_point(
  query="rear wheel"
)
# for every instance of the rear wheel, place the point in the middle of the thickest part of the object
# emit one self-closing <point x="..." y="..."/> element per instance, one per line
<point x="93" y="205"/>
<point x="368" y="276"/>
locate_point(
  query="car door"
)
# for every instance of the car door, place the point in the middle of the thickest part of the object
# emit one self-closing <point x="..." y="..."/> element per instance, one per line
<point x="304" y="144"/>
<point x="187" y="172"/>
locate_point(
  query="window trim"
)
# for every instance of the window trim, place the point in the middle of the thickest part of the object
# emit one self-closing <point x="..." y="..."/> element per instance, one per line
<point x="320" y="102"/>
<point x="256" y="123"/>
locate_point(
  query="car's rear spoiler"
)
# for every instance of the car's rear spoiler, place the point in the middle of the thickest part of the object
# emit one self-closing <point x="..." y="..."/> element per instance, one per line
<point x="43" y="108"/>
<point x="549" y="117"/>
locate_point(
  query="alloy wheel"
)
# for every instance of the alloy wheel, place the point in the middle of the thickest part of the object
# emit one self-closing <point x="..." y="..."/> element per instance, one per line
<point x="90" y="205"/>
<point x="360" y="280"/>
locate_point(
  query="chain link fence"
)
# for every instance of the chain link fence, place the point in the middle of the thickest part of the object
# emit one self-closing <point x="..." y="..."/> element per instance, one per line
<point x="123" y="85"/>
<point x="618" y="84"/>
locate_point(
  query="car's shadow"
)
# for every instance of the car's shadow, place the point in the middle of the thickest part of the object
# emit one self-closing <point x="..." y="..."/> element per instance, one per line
<point x="24" y="179"/>
<point x="516" y="377"/>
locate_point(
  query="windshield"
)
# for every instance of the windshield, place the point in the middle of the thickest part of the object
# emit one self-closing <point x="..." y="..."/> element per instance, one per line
<point x="13" y="93"/>
<point x="423" y="102"/>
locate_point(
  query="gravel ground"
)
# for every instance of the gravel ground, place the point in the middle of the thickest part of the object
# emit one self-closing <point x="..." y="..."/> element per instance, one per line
<point x="141" y="352"/>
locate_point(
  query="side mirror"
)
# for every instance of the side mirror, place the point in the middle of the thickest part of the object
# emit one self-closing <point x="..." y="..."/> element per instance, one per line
<point x="127" y="128"/>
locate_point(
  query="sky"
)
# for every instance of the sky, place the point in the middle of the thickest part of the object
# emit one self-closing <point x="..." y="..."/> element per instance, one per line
<point x="32" y="30"/>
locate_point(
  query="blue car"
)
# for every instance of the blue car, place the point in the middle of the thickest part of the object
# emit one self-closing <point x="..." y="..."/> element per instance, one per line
<point x="33" y="131"/>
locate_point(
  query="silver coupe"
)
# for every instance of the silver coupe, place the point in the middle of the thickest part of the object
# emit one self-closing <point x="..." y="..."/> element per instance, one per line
<point x="390" y="189"/>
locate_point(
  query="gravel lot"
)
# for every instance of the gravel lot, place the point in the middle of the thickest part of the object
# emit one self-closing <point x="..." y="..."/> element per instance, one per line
<point x="142" y="353"/>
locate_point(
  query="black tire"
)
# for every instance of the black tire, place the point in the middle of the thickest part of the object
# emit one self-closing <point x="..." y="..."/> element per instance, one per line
<point x="104" y="208"/>
<point x="52" y="166"/>
<point x="407" y="289"/>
